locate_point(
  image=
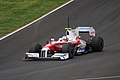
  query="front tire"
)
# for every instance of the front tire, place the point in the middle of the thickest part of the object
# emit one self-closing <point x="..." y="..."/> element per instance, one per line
<point x="68" y="48"/>
<point x="35" y="48"/>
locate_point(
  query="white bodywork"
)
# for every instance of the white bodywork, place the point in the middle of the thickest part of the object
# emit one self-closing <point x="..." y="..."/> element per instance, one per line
<point x="89" y="30"/>
<point x="81" y="46"/>
<point x="32" y="54"/>
<point x="43" y="54"/>
<point x="74" y="33"/>
<point x="62" y="56"/>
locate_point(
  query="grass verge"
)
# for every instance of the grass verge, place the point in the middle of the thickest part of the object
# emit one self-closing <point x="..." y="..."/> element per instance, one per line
<point x="17" y="13"/>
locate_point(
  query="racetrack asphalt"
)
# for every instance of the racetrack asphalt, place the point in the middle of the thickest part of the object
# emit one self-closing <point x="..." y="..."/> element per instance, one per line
<point x="104" y="15"/>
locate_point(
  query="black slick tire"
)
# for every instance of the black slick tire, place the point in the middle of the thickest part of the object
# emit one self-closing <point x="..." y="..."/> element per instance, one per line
<point x="35" y="48"/>
<point x="97" y="44"/>
<point x="68" y="48"/>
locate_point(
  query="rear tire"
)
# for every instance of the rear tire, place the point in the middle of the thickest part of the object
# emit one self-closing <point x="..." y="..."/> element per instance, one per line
<point x="97" y="44"/>
<point x="68" y="48"/>
<point x="35" y="48"/>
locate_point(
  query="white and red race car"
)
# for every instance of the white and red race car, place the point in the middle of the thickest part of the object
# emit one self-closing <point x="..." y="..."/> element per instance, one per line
<point x="66" y="47"/>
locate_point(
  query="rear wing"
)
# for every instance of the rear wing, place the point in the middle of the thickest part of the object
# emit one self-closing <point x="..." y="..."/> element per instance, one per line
<point x="73" y="33"/>
<point x="89" y="30"/>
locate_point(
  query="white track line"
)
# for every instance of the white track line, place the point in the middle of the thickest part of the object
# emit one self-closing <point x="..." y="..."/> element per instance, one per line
<point x="100" y="78"/>
<point x="36" y="20"/>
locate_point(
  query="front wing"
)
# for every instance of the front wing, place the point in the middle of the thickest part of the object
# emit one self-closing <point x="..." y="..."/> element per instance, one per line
<point x="33" y="56"/>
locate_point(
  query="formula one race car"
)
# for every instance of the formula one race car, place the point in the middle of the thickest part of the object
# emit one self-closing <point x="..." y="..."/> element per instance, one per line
<point x="69" y="45"/>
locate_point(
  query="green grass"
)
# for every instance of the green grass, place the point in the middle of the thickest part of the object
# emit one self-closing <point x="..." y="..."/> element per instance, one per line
<point x="17" y="13"/>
